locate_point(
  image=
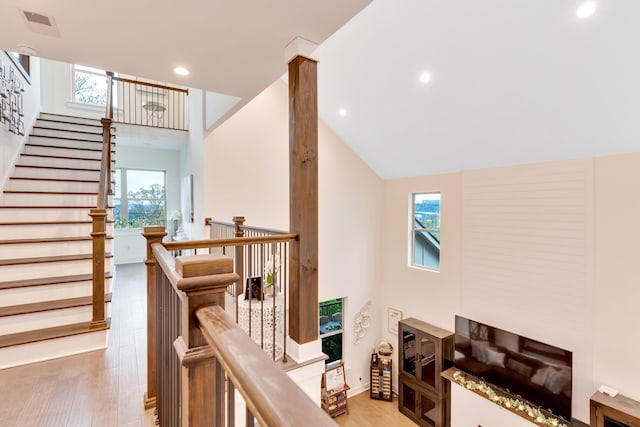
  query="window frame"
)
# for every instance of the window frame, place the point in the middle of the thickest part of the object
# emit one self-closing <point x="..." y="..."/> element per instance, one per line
<point x="86" y="70"/>
<point x="413" y="229"/>
<point x="333" y="333"/>
<point x="124" y="199"/>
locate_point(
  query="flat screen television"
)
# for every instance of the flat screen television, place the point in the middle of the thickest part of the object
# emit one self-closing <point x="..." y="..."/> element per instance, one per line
<point x="537" y="372"/>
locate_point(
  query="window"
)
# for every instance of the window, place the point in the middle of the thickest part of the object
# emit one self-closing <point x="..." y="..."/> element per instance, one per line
<point x="139" y="198"/>
<point x="425" y="230"/>
<point x="89" y="85"/>
<point x="331" y="329"/>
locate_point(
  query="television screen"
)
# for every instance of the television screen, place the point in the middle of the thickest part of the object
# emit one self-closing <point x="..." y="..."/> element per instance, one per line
<point x="537" y="372"/>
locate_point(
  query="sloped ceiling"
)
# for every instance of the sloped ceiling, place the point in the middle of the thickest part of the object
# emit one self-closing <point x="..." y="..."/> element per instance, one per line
<point x="512" y="81"/>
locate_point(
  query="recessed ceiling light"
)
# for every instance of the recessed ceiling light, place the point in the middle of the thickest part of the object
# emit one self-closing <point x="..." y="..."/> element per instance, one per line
<point x="181" y="71"/>
<point x="343" y="112"/>
<point x="586" y="9"/>
<point x="425" y="77"/>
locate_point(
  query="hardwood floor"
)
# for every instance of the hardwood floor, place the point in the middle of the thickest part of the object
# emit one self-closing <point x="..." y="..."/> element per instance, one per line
<point x="99" y="388"/>
<point x="365" y="412"/>
<point x="106" y="388"/>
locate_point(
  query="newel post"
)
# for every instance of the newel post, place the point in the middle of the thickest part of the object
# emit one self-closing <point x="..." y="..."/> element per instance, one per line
<point x="204" y="281"/>
<point x="239" y="250"/>
<point x="98" y="235"/>
<point x="153" y="235"/>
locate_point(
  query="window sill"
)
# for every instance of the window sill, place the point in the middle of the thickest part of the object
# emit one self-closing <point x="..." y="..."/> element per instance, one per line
<point x="423" y="268"/>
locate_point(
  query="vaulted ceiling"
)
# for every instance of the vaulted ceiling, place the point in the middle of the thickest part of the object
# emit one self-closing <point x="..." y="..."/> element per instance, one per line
<point x="510" y="81"/>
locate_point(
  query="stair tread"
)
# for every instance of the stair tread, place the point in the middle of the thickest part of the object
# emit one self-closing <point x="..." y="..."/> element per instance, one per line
<point x="50" y="333"/>
<point x="67" y="138"/>
<point x="49" y="192"/>
<point x="69" y="130"/>
<point x="97" y="125"/>
<point x="48" y="222"/>
<point x="26" y="178"/>
<point x="97" y="149"/>
<point x="48" y="207"/>
<point x="58" y="167"/>
<point x="37" y="307"/>
<point x="57" y="258"/>
<point x="49" y="281"/>
<point x="50" y="240"/>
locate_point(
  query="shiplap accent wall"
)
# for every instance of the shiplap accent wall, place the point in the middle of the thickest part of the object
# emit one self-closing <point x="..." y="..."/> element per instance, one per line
<point x="527" y="257"/>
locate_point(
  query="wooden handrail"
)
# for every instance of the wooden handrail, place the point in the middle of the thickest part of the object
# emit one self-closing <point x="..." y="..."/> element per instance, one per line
<point x="234" y="241"/>
<point x="271" y="395"/>
<point x="99" y="215"/>
<point x="158" y="86"/>
<point x="266" y="231"/>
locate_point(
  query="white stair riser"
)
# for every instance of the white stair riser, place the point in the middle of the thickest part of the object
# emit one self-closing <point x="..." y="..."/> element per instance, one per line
<point x="30" y="199"/>
<point x="56" y="186"/>
<point x="46" y="215"/>
<point x="52" y="349"/>
<point x="62" y="152"/>
<point x="46" y="173"/>
<point x="75" y="120"/>
<point x="41" y="231"/>
<point x="27" y="250"/>
<point x="67" y="126"/>
<point x="45" y="319"/>
<point x="55" y="291"/>
<point x="66" y="134"/>
<point x="56" y="162"/>
<point x="69" y="143"/>
<point x="48" y="269"/>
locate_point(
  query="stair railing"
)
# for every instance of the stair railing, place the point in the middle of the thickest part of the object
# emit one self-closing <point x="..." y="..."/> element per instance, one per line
<point x="202" y="358"/>
<point x="99" y="215"/>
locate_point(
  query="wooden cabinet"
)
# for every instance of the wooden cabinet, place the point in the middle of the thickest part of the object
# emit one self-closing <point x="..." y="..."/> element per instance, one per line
<point x="425" y="351"/>
<point x="380" y="380"/>
<point x="619" y="411"/>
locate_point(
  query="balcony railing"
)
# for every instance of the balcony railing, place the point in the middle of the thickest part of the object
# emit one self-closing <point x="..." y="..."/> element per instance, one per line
<point x="150" y="104"/>
<point x="206" y="358"/>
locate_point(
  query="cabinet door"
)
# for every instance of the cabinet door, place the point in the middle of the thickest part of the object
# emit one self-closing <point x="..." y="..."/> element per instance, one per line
<point x="409" y="351"/>
<point x="427" y="362"/>
<point x="429" y="410"/>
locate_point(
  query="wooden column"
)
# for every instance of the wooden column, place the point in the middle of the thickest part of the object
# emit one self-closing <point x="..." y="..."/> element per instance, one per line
<point x="98" y="235"/>
<point x="239" y="251"/>
<point x="303" y="199"/>
<point x="153" y="235"/>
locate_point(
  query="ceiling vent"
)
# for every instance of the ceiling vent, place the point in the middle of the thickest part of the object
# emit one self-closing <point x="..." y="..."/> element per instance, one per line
<point x="41" y="24"/>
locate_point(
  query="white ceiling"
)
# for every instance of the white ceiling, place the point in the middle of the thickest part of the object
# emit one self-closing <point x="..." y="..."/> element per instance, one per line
<point x="512" y="81"/>
<point x="231" y="47"/>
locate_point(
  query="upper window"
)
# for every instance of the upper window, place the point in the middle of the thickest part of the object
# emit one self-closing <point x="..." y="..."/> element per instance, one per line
<point x="139" y="198"/>
<point x="425" y="230"/>
<point x="331" y="329"/>
<point x="89" y="85"/>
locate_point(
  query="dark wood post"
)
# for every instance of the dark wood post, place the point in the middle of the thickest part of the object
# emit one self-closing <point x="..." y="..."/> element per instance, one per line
<point x="239" y="251"/>
<point x="303" y="199"/>
<point x="152" y="235"/>
<point x="98" y="235"/>
<point x="204" y="385"/>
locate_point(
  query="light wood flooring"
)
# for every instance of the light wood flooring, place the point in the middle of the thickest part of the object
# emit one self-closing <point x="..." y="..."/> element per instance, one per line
<point x="106" y="387"/>
<point x="365" y="412"/>
<point x="99" y="388"/>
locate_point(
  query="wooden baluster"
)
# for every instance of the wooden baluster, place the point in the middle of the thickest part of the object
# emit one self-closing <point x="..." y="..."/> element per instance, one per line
<point x="152" y="235"/>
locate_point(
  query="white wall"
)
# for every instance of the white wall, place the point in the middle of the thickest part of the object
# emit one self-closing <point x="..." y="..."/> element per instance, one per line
<point x="545" y="250"/>
<point x="11" y="144"/>
<point x="57" y="92"/>
<point x="247" y="173"/>
<point x="130" y="246"/>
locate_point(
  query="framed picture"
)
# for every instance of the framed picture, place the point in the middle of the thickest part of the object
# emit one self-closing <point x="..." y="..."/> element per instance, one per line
<point x="253" y="289"/>
<point x="334" y="379"/>
<point x="394" y="316"/>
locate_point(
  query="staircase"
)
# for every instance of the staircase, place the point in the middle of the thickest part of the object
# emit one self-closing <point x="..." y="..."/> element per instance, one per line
<point x="46" y="246"/>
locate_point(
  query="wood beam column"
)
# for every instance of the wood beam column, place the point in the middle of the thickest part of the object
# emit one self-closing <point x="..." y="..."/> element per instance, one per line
<point x="303" y="199"/>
